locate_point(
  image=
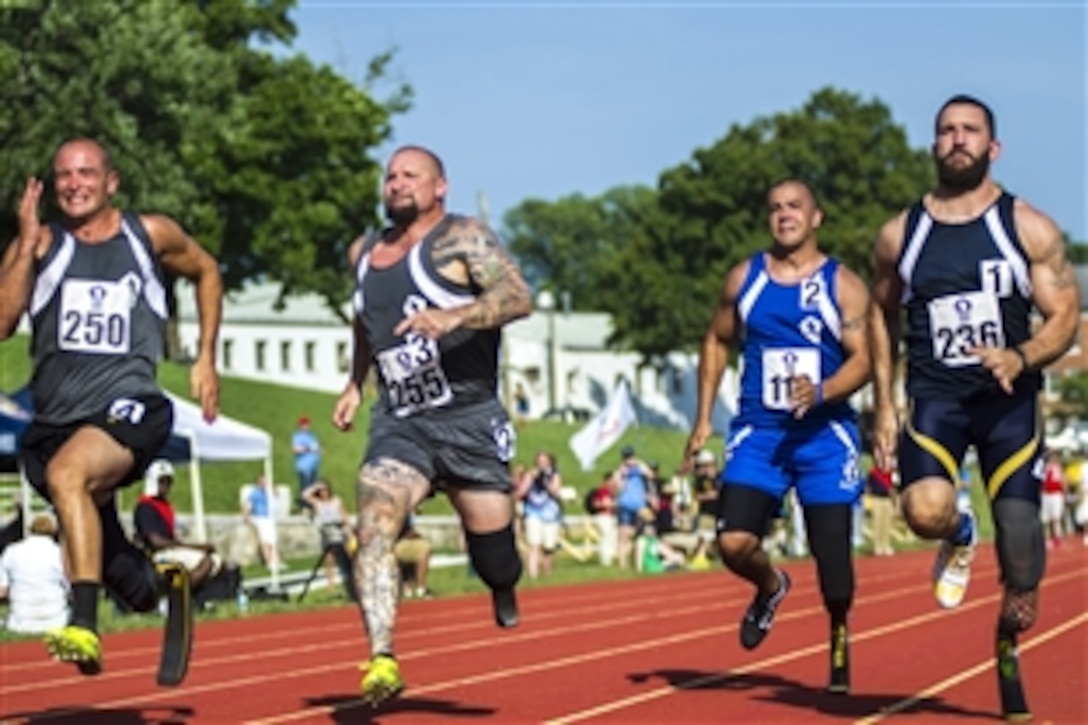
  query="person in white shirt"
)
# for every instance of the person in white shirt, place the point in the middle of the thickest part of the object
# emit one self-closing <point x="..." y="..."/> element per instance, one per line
<point x="33" y="580"/>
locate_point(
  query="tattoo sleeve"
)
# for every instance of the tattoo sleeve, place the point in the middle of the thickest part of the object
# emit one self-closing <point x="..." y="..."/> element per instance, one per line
<point x="504" y="295"/>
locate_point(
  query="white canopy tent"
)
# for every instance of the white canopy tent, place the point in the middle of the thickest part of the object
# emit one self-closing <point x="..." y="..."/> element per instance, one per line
<point x="225" y="439"/>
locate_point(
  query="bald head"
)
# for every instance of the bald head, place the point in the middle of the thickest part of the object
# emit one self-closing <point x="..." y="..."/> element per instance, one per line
<point x="422" y="155"/>
<point x="88" y="147"/>
<point x="793" y="213"/>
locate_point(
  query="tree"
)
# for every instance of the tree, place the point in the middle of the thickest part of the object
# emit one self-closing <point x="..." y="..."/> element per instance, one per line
<point x="712" y="209"/>
<point x="295" y="181"/>
<point x="265" y="159"/>
<point x="1073" y="393"/>
<point x="567" y="245"/>
<point x="1077" y="251"/>
<point x="128" y="73"/>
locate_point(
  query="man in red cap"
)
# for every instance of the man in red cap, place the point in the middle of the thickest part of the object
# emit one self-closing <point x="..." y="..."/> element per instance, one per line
<point x="307" y="452"/>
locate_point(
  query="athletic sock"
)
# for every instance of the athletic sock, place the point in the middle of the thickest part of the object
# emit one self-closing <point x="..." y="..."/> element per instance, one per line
<point x="85" y="605"/>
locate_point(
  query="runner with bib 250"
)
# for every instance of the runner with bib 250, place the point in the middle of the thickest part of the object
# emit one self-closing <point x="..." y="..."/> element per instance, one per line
<point x="93" y="285"/>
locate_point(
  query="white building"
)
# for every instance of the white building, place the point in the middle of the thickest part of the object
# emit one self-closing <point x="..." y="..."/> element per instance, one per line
<point x="305" y="345"/>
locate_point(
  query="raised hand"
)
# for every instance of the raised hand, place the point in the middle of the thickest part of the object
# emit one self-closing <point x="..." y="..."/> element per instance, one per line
<point x="30" y="226"/>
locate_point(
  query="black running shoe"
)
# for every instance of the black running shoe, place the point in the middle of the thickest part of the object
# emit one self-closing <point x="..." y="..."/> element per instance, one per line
<point x="760" y="615"/>
<point x="839" y="682"/>
<point x="506" y="608"/>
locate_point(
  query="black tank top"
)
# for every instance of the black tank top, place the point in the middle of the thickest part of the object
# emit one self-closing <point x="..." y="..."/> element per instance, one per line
<point x="98" y="315"/>
<point x="417" y="375"/>
<point x="964" y="285"/>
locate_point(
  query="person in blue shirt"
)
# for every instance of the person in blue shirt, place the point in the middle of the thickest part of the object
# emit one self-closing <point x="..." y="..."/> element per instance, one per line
<point x="800" y="320"/>
<point x="631" y="482"/>
<point x="307" y="450"/>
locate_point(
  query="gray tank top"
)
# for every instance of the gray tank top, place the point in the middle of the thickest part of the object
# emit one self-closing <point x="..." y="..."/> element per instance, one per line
<point x="98" y="314"/>
<point x="416" y="375"/>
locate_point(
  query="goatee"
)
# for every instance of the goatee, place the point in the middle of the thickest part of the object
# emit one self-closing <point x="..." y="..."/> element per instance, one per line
<point x="402" y="216"/>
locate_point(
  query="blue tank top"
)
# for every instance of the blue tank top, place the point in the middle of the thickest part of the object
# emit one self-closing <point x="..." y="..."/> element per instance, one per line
<point x="788" y="330"/>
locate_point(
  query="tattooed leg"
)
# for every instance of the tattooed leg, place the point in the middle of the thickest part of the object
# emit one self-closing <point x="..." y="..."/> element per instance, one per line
<point x="386" y="491"/>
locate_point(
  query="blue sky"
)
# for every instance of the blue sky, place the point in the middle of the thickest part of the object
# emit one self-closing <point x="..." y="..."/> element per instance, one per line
<point x="545" y="99"/>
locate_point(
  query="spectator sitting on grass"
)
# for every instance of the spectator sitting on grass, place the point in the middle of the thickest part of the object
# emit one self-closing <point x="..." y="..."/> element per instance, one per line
<point x="653" y="555"/>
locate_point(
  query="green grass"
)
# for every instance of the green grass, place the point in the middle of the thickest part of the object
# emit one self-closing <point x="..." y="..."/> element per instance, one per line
<point x="276" y="409"/>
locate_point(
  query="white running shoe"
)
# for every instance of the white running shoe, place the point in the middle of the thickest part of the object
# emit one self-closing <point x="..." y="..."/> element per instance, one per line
<point x="952" y="570"/>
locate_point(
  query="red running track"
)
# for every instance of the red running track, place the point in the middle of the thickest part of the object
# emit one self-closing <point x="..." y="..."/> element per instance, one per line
<point x="660" y="649"/>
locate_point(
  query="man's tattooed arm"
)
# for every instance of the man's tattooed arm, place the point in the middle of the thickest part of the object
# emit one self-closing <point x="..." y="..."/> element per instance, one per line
<point x="470" y="253"/>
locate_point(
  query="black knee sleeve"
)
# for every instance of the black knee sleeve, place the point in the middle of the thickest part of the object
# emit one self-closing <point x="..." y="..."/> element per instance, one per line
<point x="829" y="537"/>
<point x="495" y="557"/>
<point x="126" y="571"/>
<point x="743" y="508"/>
<point x="1021" y="550"/>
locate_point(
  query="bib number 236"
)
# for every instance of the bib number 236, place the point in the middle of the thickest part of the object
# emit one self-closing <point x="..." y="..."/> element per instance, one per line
<point x="962" y="322"/>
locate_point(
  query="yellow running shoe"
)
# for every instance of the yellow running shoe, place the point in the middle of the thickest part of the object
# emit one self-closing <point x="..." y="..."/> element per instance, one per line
<point x="382" y="679"/>
<point x="76" y="644"/>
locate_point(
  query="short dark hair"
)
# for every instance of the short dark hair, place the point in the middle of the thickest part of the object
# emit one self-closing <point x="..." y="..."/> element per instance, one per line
<point x="964" y="99"/>
<point x="800" y="182"/>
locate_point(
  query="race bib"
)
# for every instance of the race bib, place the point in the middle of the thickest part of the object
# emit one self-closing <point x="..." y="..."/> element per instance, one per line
<point x="964" y="321"/>
<point x="780" y="366"/>
<point x="413" y="376"/>
<point x="95" y="316"/>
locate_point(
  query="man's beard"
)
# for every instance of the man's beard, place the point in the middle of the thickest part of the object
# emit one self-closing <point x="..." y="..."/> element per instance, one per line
<point x="962" y="178"/>
<point x="402" y="215"/>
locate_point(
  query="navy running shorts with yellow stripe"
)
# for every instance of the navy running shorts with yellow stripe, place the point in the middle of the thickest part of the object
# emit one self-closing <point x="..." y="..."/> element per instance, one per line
<point x="1006" y="433"/>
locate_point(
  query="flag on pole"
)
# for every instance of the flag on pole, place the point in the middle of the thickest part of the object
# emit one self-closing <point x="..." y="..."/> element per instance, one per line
<point x="605" y="429"/>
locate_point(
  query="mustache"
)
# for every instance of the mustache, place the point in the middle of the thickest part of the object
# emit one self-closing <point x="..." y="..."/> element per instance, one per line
<point x="959" y="150"/>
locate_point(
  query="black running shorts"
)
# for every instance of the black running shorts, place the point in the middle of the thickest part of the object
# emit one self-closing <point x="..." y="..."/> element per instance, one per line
<point x="1006" y="433"/>
<point x="142" y="424"/>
